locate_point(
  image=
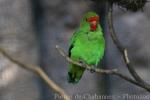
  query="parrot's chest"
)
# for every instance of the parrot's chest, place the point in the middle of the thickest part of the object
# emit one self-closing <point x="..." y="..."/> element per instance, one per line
<point x="89" y="44"/>
<point x="91" y="38"/>
<point x="89" y="47"/>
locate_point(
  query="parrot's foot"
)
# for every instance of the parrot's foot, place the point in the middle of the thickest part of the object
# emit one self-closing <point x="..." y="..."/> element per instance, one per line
<point x="82" y="62"/>
<point x="92" y="70"/>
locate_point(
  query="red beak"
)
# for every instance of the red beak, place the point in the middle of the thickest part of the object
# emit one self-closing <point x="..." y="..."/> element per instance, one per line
<point x="93" y="25"/>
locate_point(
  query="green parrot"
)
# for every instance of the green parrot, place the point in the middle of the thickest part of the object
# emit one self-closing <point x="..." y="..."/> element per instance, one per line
<point x="87" y="45"/>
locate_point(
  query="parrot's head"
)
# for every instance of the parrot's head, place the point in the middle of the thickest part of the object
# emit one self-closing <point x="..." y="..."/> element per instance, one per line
<point x="92" y="19"/>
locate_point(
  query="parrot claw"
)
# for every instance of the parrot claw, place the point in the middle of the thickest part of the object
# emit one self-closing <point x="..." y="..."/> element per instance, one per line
<point x="82" y="62"/>
<point x="92" y="70"/>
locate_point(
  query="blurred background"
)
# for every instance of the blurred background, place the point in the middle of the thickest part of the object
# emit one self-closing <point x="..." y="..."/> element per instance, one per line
<point x="30" y="29"/>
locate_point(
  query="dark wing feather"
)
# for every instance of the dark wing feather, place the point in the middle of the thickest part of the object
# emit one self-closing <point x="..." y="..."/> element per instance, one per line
<point x="69" y="51"/>
<point x="72" y="42"/>
<point x="75" y="35"/>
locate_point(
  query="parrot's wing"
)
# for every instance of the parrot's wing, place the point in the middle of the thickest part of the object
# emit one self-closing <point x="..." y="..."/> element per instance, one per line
<point x="72" y="40"/>
<point x="69" y="51"/>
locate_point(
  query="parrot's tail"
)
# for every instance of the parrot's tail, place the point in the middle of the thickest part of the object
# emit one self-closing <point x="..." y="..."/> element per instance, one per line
<point x="75" y="74"/>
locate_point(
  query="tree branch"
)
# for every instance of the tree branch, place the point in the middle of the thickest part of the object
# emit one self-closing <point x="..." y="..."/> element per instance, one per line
<point x="61" y="51"/>
<point x="37" y="70"/>
<point x="123" y="50"/>
<point x="102" y="71"/>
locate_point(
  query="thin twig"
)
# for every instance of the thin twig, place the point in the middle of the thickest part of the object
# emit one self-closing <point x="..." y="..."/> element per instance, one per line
<point x="61" y="51"/>
<point x="37" y="70"/>
<point x="101" y="71"/>
<point x="120" y="47"/>
<point x="123" y="50"/>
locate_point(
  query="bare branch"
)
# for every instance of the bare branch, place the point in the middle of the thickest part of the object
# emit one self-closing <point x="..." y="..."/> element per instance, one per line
<point x="37" y="70"/>
<point x="120" y="47"/>
<point x="123" y="50"/>
<point x="102" y="71"/>
<point x="61" y="51"/>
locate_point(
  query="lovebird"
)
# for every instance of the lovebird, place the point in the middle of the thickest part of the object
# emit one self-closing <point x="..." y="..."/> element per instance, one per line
<point x="87" y="45"/>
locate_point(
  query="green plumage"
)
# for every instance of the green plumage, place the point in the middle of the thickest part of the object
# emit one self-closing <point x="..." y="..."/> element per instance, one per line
<point x="87" y="46"/>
